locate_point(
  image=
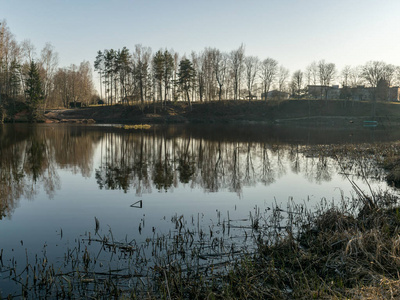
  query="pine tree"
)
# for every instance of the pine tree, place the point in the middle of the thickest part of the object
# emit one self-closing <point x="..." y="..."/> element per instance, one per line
<point x="34" y="92"/>
<point x="158" y="71"/>
<point x="186" y="75"/>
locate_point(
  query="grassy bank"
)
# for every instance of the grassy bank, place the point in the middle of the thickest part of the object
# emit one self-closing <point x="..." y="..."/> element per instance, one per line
<point x="332" y="112"/>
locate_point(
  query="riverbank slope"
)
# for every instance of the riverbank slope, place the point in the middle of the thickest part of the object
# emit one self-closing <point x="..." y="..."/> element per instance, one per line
<point x="308" y="112"/>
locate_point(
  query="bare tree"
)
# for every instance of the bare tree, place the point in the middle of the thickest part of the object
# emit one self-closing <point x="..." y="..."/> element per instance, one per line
<point x="175" y="76"/>
<point x="345" y="75"/>
<point x="73" y="84"/>
<point x="198" y="60"/>
<point x="356" y="77"/>
<point x="297" y="83"/>
<point x="220" y="63"/>
<point x="251" y="66"/>
<point x="312" y="73"/>
<point x="100" y="67"/>
<point x="29" y="50"/>
<point x="268" y="72"/>
<point x="209" y="73"/>
<point x="10" y="65"/>
<point x="326" y="74"/>
<point x="397" y="76"/>
<point x="236" y="59"/>
<point x="48" y="66"/>
<point x="85" y="82"/>
<point x="141" y="58"/>
<point x="373" y="71"/>
<point x="389" y="73"/>
<point x="283" y="76"/>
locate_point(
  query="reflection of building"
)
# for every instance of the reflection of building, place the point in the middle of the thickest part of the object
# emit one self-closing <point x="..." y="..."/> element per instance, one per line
<point x="383" y="92"/>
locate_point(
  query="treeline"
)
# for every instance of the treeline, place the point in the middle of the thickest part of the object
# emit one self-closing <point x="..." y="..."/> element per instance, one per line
<point x="212" y="74"/>
<point x="140" y="75"/>
<point x="36" y="79"/>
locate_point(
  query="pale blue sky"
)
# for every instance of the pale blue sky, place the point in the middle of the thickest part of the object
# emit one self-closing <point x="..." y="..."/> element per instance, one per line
<point x="293" y="32"/>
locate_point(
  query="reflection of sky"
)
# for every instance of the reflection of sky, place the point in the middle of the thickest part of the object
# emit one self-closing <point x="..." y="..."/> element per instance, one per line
<point x="79" y="200"/>
<point x="72" y="209"/>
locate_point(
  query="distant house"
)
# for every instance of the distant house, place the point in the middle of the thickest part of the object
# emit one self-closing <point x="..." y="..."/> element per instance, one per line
<point x="318" y="91"/>
<point x="275" y="94"/>
<point x="383" y="92"/>
<point x="251" y="97"/>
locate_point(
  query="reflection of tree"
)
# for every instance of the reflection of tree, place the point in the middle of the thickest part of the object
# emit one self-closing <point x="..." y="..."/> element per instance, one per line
<point x="250" y="172"/>
<point x="124" y="163"/>
<point x="129" y="158"/>
<point x="36" y="158"/>
<point x="163" y="177"/>
<point x="74" y="147"/>
<point x="294" y="157"/>
<point x="186" y="168"/>
<point x="236" y="183"/>
<point x="323" y="170"/>
<point x="267" y="171"/>
<point x="278" y="151"/>
<point x="112" y="177"/>
<point x="140" y="166"/>
<point x="31" y="156"/>
<point x="213" y="165"/>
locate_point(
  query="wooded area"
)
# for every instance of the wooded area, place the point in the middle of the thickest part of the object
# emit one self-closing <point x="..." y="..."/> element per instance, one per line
<point x="139" y="76"/>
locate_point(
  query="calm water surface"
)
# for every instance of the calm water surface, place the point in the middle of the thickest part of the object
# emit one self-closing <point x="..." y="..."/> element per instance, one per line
<point x="55" y="179"/>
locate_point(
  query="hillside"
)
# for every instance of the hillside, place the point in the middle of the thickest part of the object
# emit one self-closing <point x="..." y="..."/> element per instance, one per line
<point x="298" y="111"/>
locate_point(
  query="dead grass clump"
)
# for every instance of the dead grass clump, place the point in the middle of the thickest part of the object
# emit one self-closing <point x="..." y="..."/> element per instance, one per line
<point x="383" y="290"/>
<point x="328" y="232"/>
<point x="334" y="220"/>
<point x="391" y="164"/>
<point x="339" y="252"/>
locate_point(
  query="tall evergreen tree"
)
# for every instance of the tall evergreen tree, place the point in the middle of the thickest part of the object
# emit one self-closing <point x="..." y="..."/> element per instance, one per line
<point x="186" y="75"/>
<point x="168" y="72"/>
<point x="158" y="71"/>
<point x="34" y="92"/>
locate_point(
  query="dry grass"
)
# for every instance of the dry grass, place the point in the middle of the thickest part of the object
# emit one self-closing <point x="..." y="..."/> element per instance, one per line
<point x="136" y="127"/>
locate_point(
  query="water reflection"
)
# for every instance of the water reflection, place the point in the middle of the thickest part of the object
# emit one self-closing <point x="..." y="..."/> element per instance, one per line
<point x="161" y="159"/>
<point x="30" y="159"/>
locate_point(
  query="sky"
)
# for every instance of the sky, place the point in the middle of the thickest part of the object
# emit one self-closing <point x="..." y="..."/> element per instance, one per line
<point x="294" y="32"/>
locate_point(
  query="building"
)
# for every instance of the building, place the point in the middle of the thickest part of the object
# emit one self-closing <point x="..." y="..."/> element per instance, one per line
<point x="275" y="94"/>
<point x="383" y="92"/>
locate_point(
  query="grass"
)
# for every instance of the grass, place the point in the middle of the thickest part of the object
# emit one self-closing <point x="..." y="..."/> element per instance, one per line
<point x="336" y="112"/>
<point x="136" y="127"/>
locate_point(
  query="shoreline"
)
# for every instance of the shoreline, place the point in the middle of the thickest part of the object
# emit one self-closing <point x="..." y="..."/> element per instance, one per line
<point x="299" y="112"/>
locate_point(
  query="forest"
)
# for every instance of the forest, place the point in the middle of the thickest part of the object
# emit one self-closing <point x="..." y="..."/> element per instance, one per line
<point x="34" y="81"/>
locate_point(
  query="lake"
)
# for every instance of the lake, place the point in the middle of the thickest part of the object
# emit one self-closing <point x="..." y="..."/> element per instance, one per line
<point x="61" y="184"/>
